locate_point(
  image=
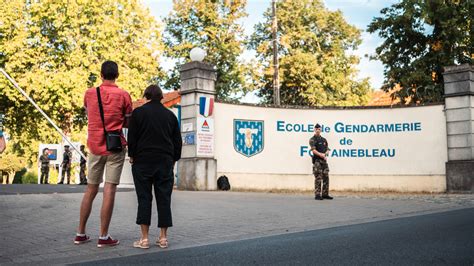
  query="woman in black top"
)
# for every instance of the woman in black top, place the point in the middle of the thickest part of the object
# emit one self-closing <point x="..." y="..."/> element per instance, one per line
<point x="154" y="145"/>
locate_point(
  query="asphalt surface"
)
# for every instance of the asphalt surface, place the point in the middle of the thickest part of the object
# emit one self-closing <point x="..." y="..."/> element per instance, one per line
<point x="433" y="239"/>
<point x="19" y="189"/>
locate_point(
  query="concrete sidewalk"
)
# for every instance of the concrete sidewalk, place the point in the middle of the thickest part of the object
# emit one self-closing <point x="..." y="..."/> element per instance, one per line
<point x="21" y="189"/>
<point x="39" y="228"/>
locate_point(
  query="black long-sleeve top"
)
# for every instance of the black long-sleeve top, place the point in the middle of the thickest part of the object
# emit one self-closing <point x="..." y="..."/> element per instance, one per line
<point x="153" y="134"/>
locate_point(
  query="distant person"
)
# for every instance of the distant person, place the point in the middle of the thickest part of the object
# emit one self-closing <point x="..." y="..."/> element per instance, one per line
<point x="44" y="166"/>
<point x="82" y="166"/>
<point x="66" y="165"/>
<point x="154" y="142"/>
<point x="117" y="107"/>
<point x="319" y="147"/>
<point x="3" y="144"/>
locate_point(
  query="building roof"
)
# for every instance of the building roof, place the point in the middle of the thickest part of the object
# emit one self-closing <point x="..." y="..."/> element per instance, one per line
<point x="383" y="98"/>
<point x="377" y="98"/>
<point x="169" y="99"/>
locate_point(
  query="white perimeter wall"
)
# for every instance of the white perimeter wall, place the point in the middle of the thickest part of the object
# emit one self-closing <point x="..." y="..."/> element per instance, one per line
<point x="415" y="158"/>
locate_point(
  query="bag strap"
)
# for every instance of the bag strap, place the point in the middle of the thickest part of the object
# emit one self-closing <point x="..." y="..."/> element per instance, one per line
<point x="101" y="109"/>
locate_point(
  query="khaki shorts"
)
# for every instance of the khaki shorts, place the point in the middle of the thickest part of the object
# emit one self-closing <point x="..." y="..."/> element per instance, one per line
<point x="112" y="164"/>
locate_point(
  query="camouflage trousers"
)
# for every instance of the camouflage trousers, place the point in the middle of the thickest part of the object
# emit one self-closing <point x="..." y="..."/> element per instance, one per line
<point x="321" y="174"/>
<point x="82" y="174"/>
<point x="66" y="171"/>
<point x="44" y="175"/>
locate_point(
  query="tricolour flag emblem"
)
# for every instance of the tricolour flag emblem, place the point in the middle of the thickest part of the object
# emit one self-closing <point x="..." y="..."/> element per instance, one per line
<point x="206" y="106"/>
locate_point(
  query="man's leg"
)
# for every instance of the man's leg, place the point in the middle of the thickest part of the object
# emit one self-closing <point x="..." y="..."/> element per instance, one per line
<point x="82" y="175"/>
<point x="113" y="165"/>
<point x="317" y="179"/>
<point x="63" y="172"/>
<point x="107" y="207"/>
<point x="325" y="177"/>
<point x="96" y="171"/>
<point x="46" y="176"/>
<point x="42" y="177"/>
<point x="68" y="175"/>
<point x="325" y="184"/>
<point x="86" y="206"/>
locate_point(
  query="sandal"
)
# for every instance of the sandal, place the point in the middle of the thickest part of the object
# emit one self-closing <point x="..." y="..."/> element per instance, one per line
<point x="142" y="243"/>
<point x="162" y="242"/>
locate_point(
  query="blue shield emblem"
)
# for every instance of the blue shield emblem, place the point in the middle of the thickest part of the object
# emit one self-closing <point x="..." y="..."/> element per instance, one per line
<point x="248" y="137"/>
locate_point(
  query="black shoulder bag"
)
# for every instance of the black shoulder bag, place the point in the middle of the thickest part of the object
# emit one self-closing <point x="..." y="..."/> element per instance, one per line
<point x="113" y="141"/>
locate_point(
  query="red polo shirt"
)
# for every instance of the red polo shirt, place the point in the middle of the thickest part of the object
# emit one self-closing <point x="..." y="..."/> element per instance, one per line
<point x="117" y="105"/>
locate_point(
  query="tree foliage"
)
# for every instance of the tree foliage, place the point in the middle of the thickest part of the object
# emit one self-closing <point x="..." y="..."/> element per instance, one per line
<point x="420" y="38"/>
<point x="10" y="163"/>
<point x="315" y="65"/>
<point x="213" y="26"/>
<point x="54" y="50"/>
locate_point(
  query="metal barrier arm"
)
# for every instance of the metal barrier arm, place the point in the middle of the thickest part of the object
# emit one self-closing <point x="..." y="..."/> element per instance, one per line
<point x="41" y="111"/>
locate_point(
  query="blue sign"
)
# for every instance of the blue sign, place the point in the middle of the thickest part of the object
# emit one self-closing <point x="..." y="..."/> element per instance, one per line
<point x="189" y="139"/>
<point x="248" y="136"/>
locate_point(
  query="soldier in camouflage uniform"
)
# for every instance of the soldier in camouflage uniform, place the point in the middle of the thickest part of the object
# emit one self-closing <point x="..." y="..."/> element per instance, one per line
<point x="82" y="171"/>
<point x="3" y="144"/>
<point x="66" y="164"/>
<point x="319" y="147"/>
<point x="44" y="166"/>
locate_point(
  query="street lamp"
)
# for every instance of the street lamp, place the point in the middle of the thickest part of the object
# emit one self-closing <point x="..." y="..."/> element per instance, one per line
<point x="197" y="54"/>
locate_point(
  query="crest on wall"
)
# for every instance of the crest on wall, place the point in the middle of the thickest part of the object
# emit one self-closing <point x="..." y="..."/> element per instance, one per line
<point x="248" y="136"/>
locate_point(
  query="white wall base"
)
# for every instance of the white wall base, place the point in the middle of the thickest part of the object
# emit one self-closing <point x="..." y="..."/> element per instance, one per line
<point x="401" y="183"/>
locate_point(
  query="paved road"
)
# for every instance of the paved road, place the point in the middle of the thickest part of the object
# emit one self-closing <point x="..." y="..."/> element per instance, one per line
<point x="46" y="223"/>
<point x="433" y="239"/>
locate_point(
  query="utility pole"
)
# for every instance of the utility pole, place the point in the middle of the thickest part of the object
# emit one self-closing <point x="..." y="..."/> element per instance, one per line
<point x="276" y="77"/>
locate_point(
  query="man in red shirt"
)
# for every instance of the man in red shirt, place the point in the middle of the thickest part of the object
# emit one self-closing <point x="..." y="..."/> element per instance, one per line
<point x="117" y="107"/>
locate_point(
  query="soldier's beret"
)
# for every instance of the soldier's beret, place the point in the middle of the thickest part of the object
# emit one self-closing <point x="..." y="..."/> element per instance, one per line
<point x="317" y="126"/>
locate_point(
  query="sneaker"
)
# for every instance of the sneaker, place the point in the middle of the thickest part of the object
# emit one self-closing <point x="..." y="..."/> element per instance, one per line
<point x="109" y="242"/>
<point x="318" y="197"/>
<point x="60" y="183"/>
<point x="81" y="239"/>
<point x="327" y="197"/>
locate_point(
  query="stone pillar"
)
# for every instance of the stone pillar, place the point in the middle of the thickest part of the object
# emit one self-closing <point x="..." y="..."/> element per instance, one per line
<point x="197" y="169"/>
<point x="459" y="104"/>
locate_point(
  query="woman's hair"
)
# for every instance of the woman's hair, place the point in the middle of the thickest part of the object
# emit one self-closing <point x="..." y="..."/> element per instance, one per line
<point x="153" y="92"/>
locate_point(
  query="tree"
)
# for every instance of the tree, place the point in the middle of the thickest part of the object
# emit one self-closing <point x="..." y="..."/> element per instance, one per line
<point x="54" y="50"/>
<point x="315" y="67"/>
<point x="9" y="164"/>
<point x="421" y="37"/>
<point x="211" y="25"/>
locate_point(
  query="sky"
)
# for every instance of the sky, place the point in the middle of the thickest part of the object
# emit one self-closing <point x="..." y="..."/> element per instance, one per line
<point x="356" y="12"/>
